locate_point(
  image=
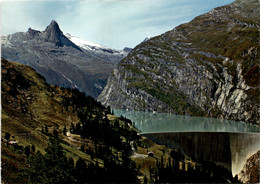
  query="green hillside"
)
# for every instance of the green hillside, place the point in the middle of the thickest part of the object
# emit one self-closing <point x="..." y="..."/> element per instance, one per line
<point x="37" y="118"/>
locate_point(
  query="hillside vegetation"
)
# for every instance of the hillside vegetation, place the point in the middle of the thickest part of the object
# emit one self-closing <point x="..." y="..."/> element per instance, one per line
<point x="60" y="135"/>
<point x="52" y="134"/>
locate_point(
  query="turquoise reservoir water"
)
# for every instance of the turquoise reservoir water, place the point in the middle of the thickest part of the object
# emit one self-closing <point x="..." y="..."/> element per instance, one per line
<point x="149" y="122"/>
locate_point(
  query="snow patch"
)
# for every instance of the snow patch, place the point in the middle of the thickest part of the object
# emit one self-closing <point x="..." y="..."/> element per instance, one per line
<point x="98" y="86"/>
<point x="82" y="43"/>
<point x="96" y="48"/>
<point x="147" y="38"/>
<point x="75" y="86"/>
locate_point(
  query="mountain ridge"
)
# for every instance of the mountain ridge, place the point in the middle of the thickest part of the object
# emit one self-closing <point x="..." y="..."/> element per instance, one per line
<point x="207" y="67"/>
<point x="58" y="59"/>
<point x="106" y="53"/>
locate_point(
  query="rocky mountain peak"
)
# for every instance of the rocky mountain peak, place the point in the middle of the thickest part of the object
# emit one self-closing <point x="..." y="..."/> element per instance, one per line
<point x="33" y="33"/>
<point x="52" y="33"/>
<point x="53" y="28"/>
<point x="53" y="22"/>
<point x="64" y="60"/>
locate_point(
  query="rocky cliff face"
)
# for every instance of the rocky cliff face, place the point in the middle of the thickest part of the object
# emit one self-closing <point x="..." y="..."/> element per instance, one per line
<point x="250" y="171"/>
<point x="58" y="59"/>
<point x="208" y="67"/>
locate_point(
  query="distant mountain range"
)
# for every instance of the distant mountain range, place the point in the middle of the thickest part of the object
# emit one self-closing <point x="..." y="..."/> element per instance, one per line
<point x="63" y="60"/>
<point x="207" y="67"/>
<point x="100" y="51"/>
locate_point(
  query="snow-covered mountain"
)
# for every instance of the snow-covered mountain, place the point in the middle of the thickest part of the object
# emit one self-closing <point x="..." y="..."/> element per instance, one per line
<point x="103" y="52"/>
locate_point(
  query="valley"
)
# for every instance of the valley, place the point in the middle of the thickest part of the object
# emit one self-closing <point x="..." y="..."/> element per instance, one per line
<point x="44" y="125"/>
<point x="179" y="107"/>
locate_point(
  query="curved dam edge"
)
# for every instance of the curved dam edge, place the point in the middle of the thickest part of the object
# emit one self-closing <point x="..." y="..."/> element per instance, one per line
<point x="228" y="149"/>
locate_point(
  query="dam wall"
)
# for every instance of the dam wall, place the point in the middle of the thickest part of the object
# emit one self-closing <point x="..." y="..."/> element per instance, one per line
<point x="242" y="145"/>
<point x="227" y="149"/>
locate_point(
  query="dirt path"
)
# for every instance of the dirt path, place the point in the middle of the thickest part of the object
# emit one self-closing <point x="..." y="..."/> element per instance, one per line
<point x="71" y="138"/>
<point x="137" y="155"/>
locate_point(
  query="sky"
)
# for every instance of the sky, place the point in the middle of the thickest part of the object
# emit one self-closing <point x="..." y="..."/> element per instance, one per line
<point x="112" y="23"/>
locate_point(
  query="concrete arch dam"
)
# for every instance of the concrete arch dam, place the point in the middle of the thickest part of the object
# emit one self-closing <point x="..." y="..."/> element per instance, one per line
<point x="225" y="142"/>
<point x="228" y="149"/>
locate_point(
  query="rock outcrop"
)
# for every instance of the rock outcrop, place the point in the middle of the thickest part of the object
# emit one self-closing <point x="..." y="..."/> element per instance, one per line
<point x="250" y="171"/>
<point x="207" y="67"/>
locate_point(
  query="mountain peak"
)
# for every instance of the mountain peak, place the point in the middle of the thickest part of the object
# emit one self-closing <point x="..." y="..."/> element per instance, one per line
<point x="31" y="32"/>
<point x="52" y="32"/>
<point x="54" y="22"/>
<point x="54" y="26"/>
